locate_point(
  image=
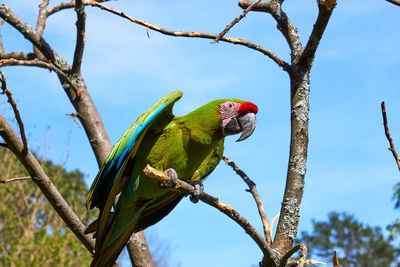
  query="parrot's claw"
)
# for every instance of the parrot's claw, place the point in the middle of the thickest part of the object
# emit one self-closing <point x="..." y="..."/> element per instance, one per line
<point x="173" y="178"/>
<point x="198" y="189"/>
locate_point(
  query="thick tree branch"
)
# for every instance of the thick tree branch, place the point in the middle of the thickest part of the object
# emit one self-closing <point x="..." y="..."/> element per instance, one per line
<point x="256" y="196"/>
<point x="186" y="188"/>
<point x="80" y="36"/>
<point x="17" y="115"/>
<point x="194" y="34"/>
<point x="388" y="135"/>
<point x="325" y="11"/>
<point x="236" y="20"/>
<point x="285" y="26"/>
<point x="44" y="183"/>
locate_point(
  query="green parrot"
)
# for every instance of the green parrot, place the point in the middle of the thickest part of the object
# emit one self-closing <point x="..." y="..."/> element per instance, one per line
<point x="188" y="148"/>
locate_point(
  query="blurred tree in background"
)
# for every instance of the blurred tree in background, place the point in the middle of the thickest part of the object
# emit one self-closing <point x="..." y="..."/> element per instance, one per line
<point x="394" y="228"/>
<point x="356" y="244"/>
<point x="31" y="233"/>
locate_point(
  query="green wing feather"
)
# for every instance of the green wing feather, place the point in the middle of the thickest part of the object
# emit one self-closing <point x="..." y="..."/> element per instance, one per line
<point x="114" y="171"/>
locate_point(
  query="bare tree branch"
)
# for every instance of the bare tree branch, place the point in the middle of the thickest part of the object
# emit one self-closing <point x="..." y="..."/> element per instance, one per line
<point x="137" y="242"/>
<point x="63" y="6"/>
<point x="335" y="260"/>
<point x="194" y="34"/>
<point x="273" y="221"/>
<point x="299" y="104"/>
<point x="44" y="183"/>
<point x="15" y="179"/>
<point x="74" y="116"/>
<point x="388" y="136"/>
<point x="256" y="196"/>
<point x="395" y="2"/>
<point x="303" y="255"/>
<point x="17" y="55"/>
<point x="80" y="36"/>
<point x="8" y="93"/>
<point x="41" y="64"/>
<point x="1" y="39"/>
<point x="186" y="188"/>
<point x="325" y="11"/>
<point x="285" y="26"/>
<point x="29" y="33"/>
<point x="236" y="20"/>
<point x="41" y="24"/>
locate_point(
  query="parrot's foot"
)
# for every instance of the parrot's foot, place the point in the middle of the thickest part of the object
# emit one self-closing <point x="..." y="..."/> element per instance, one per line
<point x="198" y="189"/>
<point x="173" y="178"/>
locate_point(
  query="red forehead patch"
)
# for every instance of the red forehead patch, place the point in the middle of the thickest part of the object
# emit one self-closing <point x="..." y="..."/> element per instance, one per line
<point x="247" y="107"/>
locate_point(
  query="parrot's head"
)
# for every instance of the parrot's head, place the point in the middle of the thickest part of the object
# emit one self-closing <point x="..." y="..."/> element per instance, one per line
<point x="238" y="116"/>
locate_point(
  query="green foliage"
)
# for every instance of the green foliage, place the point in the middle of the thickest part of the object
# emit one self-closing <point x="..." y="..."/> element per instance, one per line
<point x="394" y="228"/>
<point x="31" y="232"/>
<point x="356" y="244"/>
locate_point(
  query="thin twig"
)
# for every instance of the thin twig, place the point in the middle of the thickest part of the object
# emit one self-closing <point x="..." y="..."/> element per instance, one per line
<point x="194" y="34"/>
<point x="303" y="255"/>
<point x="74" y="116"/>
<point x="236" y="20"/>
<point x="335" y="260"/>
<point x="256" y="196"/>
<point x="388" y="136"/>
<point x="41" y="24"/>
<point x="273" y="221"/>
<point x="63" y="6"/>
<point x="17" y="55"/>
<point x="186" y="188"/>
<point x="80" y="36"/>
<point x="1" y="39"/>
<point x="15" y="179"/>
<point x="395" y="2"/>
<point x="8" y="93"/>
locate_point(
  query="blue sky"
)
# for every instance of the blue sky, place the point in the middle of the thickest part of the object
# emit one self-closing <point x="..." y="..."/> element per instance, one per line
<point x="356" y="67"/>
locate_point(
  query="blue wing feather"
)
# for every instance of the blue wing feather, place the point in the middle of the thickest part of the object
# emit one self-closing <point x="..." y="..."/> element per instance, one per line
<point x="106" y="178"/>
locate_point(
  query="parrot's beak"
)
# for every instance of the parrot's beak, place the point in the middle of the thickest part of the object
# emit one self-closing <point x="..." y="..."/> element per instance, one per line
<point x="245" y="123"/>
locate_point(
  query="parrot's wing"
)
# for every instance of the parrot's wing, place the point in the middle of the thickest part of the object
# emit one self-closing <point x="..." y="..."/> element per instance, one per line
<point x="156" y="210"/>
<point x="125" y="149"/>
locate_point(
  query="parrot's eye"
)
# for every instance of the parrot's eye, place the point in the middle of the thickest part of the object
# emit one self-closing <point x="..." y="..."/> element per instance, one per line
<point x="230" y="105"/>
